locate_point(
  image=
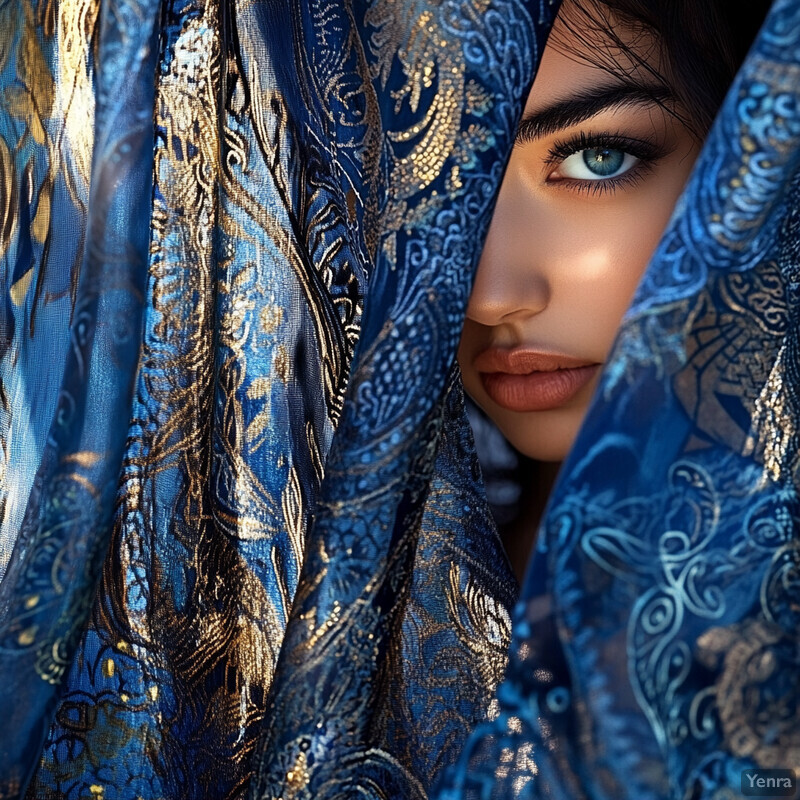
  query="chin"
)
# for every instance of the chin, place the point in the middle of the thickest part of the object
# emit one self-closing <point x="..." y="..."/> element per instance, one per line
<point x="541" y="435"/>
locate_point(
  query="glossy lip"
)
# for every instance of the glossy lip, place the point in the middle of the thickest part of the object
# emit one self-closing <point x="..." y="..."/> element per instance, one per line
<point x="531" y="380"/>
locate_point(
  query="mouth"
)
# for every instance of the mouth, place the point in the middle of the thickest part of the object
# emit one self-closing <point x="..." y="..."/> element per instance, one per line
<point x="529" y="380"/>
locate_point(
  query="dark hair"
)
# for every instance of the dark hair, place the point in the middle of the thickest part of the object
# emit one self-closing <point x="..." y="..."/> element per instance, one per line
<point x="702" y="44"/>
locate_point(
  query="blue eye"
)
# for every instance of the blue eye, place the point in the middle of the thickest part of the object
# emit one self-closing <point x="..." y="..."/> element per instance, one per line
<point x="602" y="161"/>
<point x="596" y="164"/>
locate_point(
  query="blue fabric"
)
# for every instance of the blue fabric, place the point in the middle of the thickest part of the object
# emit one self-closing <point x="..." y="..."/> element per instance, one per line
<point x="655" y="647"/>
<point x="244" y="547"/>
<point x="74" y="254"/>
<point x="258" y="560"/>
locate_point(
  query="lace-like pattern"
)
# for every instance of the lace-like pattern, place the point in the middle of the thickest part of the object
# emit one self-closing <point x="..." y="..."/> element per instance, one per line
<point x="655" y="649"/>
<point x="301" y="593"/>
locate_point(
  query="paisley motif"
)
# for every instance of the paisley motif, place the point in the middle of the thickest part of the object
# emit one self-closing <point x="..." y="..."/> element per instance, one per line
<point x="270" y="216"/>
<point x="660" y="606"/>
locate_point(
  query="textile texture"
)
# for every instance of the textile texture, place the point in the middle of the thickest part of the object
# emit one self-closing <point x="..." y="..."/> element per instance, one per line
<point x="244" y="548"/>
<point x="655" y="647"/>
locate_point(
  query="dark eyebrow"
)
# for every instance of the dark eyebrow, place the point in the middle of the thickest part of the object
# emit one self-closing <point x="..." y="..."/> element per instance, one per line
<point x="582" y="106"/>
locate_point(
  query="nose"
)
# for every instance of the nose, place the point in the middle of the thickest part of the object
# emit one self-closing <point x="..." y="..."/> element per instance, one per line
<point x="511" y="283"/>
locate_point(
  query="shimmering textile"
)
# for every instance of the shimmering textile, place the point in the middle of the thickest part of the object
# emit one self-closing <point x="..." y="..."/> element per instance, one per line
<point x="243" y="547"/>
<point x="656" y="647"/>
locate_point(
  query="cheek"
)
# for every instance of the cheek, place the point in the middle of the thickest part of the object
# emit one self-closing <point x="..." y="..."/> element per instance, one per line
<point x="604" y="256"/>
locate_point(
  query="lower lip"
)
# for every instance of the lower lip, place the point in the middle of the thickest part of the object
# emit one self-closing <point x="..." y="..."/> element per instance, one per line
<point x="537" y="391"/>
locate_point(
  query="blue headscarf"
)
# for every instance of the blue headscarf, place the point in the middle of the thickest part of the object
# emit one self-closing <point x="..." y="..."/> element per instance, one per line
<point x="244" y="544"/>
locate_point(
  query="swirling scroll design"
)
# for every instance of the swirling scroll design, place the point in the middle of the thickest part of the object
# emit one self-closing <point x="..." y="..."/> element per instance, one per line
<point x="738" y="188"/>
<point x="683" y="572"/>
<point x="362" y="547"/>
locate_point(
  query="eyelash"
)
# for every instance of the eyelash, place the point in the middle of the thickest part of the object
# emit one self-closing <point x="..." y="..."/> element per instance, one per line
<point x="647" y="152"/>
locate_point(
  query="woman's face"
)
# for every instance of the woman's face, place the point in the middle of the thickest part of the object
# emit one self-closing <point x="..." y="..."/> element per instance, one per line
<point x="595" y="173"/>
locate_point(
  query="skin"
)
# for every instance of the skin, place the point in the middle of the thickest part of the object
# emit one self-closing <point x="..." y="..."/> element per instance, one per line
<point x="565" y="250"/>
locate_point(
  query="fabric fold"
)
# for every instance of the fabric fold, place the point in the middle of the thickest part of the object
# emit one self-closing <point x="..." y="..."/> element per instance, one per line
<point x="77" y="295"/>
<point x="654" y="648"/>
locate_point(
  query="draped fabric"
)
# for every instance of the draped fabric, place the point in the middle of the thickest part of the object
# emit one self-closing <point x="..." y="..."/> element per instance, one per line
<point x="655" y="648"/>
<point x="243" y="544"/>
<point x="244" y="549"/>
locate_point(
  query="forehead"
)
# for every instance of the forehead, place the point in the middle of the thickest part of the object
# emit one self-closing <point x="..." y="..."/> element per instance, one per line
<point x="591" y="46"/>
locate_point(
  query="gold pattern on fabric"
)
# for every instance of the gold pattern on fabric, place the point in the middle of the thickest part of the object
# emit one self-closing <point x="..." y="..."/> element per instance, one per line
<point x="31" y="100"/>
<point x="293" y="513"/>
<point x="257" y="432"/>
<point x="487" y="628"/>
<point x="365" y="115"/>
<point x="428" y="60"/>
<point x="478" y="100"/>
<point x="437" y="140"/>
<point x="756" y="724"/>
<point x="282" y="364"/>
<point x="292" y="237"/>
<point x="41" y="222"/>
<point x="271" y="316"/>
<point x="78" y="492"/>
<point x="740" y="317"/>
<point x="51" y="661"/>
<point x="773" y="423"/>
<point x="77" y="20"/>
<point x="454" y="612"/>
<point x="430" y="66"/>
<point x="191" y="118"/>
<point x="185" y="166"/>
<point x="297" y="777"/>
<point x="83" y="459"/>
<point x="19" y="290"/>
<point x="256" y="508"/>
<point x="226" y="624"/>
<point x="9" y="204"/>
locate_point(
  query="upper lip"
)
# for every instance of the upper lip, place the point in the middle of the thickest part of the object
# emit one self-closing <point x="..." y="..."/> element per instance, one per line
<point x="523" y="361"/>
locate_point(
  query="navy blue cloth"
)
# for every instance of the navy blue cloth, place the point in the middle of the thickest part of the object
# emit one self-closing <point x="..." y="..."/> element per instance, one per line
<point x="257" y="560"/>
<point x="655" y="647"/>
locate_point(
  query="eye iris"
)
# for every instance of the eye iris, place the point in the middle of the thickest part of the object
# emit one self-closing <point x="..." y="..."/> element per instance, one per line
<point x="603" y="161"/>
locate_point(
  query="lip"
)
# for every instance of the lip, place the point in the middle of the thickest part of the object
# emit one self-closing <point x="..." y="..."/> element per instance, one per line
<point x="530" y="380"/>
